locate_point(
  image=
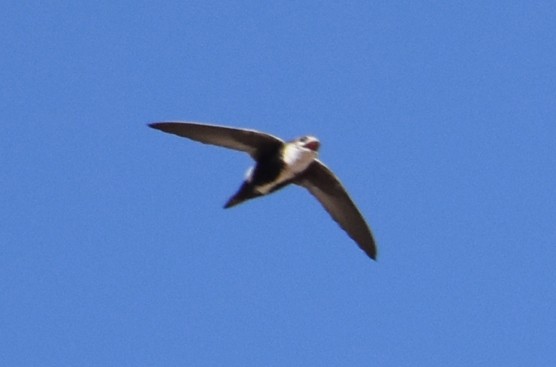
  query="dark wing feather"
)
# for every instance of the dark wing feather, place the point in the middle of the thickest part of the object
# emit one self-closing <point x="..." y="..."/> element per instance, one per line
<point x="326" y="187"/>
<point x="253" y="142"/>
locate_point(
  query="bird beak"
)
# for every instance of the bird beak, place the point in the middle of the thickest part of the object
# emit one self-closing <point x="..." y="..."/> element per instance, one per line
<point x="313" y="144"/>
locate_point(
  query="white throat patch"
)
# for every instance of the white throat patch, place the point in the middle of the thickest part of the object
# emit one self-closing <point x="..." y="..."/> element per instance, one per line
<point x="297" y="158"/>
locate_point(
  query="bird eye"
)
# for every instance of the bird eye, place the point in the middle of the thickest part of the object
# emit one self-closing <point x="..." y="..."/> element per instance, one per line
<point x="303" y="139"/>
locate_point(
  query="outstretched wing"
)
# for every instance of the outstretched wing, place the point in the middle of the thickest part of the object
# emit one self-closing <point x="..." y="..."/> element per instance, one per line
<point x="255" y="143"/>
<point x="328" y="189"/>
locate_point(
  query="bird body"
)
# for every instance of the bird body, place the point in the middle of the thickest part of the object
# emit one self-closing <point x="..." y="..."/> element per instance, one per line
<point x="275" y="170"/>
<point x="278" y="164"/>
<point x="293" y="158"/>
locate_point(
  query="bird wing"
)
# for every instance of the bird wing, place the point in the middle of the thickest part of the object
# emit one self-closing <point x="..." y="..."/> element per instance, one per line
<point x="255" y="143"/>
<point x="328" y="189"/>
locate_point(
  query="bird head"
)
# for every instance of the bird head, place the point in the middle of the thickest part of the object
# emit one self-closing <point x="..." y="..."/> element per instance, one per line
<point x="308" y="142"/>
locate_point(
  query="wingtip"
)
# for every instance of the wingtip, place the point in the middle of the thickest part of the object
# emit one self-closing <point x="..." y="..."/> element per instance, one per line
<point x="373" y="253"/>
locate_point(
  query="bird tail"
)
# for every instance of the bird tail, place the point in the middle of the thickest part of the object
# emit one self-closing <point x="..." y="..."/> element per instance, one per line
<point x="245" y="192"/>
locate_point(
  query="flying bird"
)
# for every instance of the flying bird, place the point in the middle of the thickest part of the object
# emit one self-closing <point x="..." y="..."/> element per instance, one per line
<point x="278" y="164"/>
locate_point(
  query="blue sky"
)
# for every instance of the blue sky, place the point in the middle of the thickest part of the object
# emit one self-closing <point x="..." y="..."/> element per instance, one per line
<point x="437" y="116"/>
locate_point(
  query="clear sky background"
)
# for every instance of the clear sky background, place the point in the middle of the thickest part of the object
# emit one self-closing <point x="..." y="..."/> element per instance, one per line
<point x="439" y="117"/>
